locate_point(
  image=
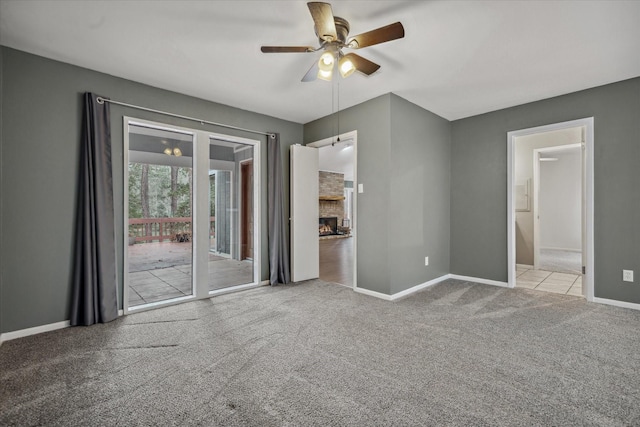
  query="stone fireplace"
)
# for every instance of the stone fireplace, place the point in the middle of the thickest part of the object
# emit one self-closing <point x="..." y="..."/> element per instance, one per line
<point x="331" y="205"/>
<point x="331" y="191"/>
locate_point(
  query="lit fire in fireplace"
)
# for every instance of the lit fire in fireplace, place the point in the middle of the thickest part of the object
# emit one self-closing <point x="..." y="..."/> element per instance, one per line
<point x="328" y="226"/>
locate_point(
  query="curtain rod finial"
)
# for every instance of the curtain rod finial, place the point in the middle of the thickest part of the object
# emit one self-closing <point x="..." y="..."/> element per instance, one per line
<point x="100" y="100"/>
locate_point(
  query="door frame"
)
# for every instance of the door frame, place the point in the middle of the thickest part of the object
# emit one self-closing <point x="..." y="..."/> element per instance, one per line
<point x="231" y="224"/>
<point x="257" y="261"/>
<point x="200" y="213"/>
<point x="126" y="122"/>
<point x="588" y="123"/>
<point x="241" y="207"/>
<point x="352" y="135"/>
<point x="536" y="194"/>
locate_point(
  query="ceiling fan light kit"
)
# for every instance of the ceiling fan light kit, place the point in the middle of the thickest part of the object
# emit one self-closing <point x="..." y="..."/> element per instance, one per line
<point x="346" y="67"/>
<point x="332" y="32"/>
<point x="325" y="66"/>
<point x="326" y="62"/>
<point x="173" y="152"/>
<point x="325" y="75"/>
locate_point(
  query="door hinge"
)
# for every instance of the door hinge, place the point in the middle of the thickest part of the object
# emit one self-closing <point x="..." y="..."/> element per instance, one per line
<point x="584" y="269"/>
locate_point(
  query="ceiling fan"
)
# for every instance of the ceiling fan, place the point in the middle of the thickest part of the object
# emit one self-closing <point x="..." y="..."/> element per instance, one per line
<point x="332" y="32"/>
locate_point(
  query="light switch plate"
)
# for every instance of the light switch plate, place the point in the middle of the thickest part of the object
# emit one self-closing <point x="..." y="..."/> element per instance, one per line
<point x="360" y="188"/>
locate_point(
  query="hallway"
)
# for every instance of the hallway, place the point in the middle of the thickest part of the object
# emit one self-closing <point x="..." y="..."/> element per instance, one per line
<point x="336" y="260"/>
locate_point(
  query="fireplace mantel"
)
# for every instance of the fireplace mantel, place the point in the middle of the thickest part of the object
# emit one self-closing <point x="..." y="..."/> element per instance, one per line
<point x="330" y="198"/>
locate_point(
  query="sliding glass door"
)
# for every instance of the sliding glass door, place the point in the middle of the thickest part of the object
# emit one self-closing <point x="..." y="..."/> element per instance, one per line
<point x="160" y="250"/>
<point x="231" y="258"/>
<point x="191" y="214"/>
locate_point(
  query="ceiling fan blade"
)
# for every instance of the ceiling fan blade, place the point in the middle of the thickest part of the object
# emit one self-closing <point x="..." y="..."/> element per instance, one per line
<point x="312" y="74"/>
<point x="323" y="18"/>
<point x="363" y="65"/>
<point x="383" y="34"/>
<point x="286" y="49"/>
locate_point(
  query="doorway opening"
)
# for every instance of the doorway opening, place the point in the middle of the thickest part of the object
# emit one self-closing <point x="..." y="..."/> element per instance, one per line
<point x="337" y="208"/>
<point x="550" y="208"/>
<point x="558" y="210"/>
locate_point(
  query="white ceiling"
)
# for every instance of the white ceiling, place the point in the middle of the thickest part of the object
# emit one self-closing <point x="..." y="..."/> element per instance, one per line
<point x="458" y="58"/>
<point x="338" y="158"/>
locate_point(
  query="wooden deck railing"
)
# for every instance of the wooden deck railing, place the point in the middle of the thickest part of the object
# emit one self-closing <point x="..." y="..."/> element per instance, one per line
<point x="161" y="229"/>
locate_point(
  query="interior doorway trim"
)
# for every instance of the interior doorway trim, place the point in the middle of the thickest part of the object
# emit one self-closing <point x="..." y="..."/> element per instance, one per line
<point x="353" y="136"/>
<point x="588" y="123"/>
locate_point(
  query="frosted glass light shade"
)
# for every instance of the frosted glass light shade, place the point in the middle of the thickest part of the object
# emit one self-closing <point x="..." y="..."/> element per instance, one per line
<point x="325" y="63"/>
<point x="346" y="67"/>
<point x="325" y="75"/>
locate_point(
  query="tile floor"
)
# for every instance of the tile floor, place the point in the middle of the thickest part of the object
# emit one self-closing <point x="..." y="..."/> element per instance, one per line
<point x="161" y="284"/>
<point x="161" y="271"/>
<point x="549" y="281"/>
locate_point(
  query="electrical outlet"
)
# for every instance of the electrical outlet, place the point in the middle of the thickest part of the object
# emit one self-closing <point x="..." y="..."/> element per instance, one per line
<point x="426" y="260"/>
<point x="627" y="275"/>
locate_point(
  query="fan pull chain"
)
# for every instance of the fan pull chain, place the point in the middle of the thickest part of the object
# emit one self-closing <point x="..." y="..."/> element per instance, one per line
<point x="338" y="84"/>
<point x="338" y="112"/>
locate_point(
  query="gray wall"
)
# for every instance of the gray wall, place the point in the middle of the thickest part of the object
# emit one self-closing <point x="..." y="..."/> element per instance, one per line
<point x="420" y="189"/>
<point x="372" y="121"/>
<point x="403" y="214"/>
<point x="479" y="183"/>
<point x="41" y="116"/>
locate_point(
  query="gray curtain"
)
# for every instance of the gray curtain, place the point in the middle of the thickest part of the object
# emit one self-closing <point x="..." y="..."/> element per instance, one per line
<point x="94" y="298"/>
<point x="278" y="245"/>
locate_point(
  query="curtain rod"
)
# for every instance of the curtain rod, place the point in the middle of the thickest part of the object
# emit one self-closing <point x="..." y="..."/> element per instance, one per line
<point x="102" y="100"/>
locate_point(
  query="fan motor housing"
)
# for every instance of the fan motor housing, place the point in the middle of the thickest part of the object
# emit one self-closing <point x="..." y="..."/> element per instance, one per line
<point x="342" y="30"/>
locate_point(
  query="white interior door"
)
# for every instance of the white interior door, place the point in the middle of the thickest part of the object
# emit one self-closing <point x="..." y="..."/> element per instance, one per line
<point x="305" y="245"/>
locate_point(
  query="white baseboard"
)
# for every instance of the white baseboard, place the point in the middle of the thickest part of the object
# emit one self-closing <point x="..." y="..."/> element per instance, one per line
<point x="479" y="280"/>
<point x="419" y="287"/>
<point x="404" y="293"/>
<point x="560" y="249"/>
<point x="616" y="303"/>
<point x="7" y="336"/>
<point x="372" y="293"/>
<point x="530" y="267"/>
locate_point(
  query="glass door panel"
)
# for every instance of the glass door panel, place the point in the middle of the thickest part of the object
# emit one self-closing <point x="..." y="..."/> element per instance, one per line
<point x="231" y="185"/>
<point x="160" y="200"/>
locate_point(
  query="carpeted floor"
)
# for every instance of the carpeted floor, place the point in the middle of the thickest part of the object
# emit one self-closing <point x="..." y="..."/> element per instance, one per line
<point x="315" y="353"/>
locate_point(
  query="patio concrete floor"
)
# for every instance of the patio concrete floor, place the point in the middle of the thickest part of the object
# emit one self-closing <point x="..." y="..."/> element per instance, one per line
<point x="162" y="271"/>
